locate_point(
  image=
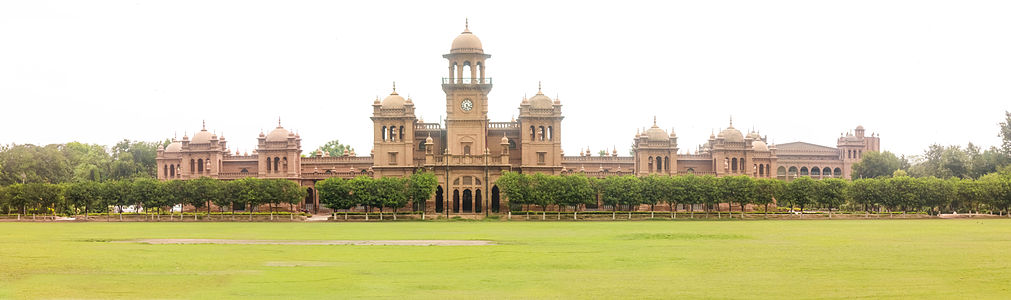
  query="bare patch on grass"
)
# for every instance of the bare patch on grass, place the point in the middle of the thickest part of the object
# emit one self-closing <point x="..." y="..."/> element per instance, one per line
<point x="682" y="236"/>
<point x="315" y="242"/>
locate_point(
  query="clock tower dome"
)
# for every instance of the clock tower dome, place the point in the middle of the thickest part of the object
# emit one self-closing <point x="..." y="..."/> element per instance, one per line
<point x="466" y="96"/>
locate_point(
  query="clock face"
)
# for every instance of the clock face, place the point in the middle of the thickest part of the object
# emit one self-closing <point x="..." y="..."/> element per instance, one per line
<point x="466" y="105"/>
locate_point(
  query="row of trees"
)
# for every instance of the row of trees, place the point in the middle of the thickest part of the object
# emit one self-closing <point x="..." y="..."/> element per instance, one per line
<point x="151" y="194"/>
<point x="77" y="162"/>
<point x="897" y="193"/>
<point x="386" y="192"/>
<point x="940" y="161"/>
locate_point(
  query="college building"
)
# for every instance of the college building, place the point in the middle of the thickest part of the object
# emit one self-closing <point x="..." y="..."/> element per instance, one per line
<point x="468" y="152"/>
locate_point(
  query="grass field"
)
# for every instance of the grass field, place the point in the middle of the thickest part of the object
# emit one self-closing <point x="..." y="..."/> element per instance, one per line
<point x="700" y="259"/>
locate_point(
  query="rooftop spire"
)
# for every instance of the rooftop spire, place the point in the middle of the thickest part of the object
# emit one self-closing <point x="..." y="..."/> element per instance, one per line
<point x="278" y="121"/>
<point x="654" y="120"/>
<point x="539" y="87"/>
<point x="466" y="24"/>
<point x="731" y="121"/>
<point x="204" y="125"/>
<point x="394" y="87"/>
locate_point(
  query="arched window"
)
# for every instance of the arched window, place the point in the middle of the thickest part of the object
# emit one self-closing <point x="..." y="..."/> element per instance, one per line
<point x="768" y="170"/>
<point x="733" y="165"/>
<point x="284" y="162"/>
<point x="172" y="171"/>
<point x="649" y="167"/>
<point x="803" y="171"/>
<point x="792" y="172"/>
<point x="384" y="133"/>
<point x="200" y="165"/>
<point x="468" y="72"/>
<point x="781" y="172"/>
<point x="277" y="163"/>
<point x="401" y="133"/>
<point x="815" y="171"/>
<point x="826" y="172"/>
<point x="438" y="199"/>
<point x="837" y="172"/>
<point x="166" y="170"/>
<point x="466" y="150"/>
<point x="532" y="132"/>
<point x="551" y="133"/>
<point x="666" y="163"/>
<point x="268" y="165"/>
<point x="659" y="164"/>
<point x="540" y="132"/>
<point x="761" y="170"/>
<point x="512" y="144"/>
<point x="193" y="167"/>
<point x="453" y="73"/>
<point x="421" y="145"/>
<point x="244" y="170"/>
<point x="477" y="200"/>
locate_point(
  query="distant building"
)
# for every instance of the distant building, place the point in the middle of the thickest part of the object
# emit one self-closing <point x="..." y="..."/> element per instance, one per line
<point x="470" y="153"/>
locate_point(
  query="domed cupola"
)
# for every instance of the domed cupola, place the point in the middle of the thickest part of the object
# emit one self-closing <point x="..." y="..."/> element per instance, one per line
<point x="466" y="42"/>
<point x="731" y="134"/>
<point x="279" y="134"/>
<point x="203" y="136"/>
<point x="540" y="101"/>
<point x="394" y="100"/>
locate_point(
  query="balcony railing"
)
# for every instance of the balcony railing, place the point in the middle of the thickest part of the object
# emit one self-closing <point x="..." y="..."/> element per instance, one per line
<point x="446" y="80"/>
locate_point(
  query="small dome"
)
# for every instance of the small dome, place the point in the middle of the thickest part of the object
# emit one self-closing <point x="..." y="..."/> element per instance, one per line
<point x="174" y="147"/>
<point x="759" y="146"/>
<point x="279" y="134"/>
<point x="202" y="137"/>
<point x="860" y="127"/>
<point x="732" y="135"/>
<point x="753" y="135"/>
<point x="505" y="140"/>
<point x="429" y="140"/>
<point x="656" y="134"/>
<point x="393" y="101"/>
<point x="466" y="42"/>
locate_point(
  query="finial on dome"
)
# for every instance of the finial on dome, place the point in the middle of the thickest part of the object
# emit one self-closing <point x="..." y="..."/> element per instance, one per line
<point x="204" y="125"/>
<point x="731" y="121"/>
<point x="466" y="24"/>
<point x="278" y="121"/>
<point x="539" y="87"/>
<point x="654" y="120"/>
<point x="394" y="87"/>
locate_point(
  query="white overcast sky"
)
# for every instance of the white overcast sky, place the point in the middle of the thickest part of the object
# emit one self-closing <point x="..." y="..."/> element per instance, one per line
<point x="917" y="72"/>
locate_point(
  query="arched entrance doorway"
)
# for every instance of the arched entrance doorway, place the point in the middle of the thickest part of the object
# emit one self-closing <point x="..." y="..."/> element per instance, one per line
<point x="438" y="199"/>
<point x="456" y="201"/>
<point x="310" y="202"/>
<point x="477" y="200"/>
<point x="494" y="199"/>
<point x="468" y="201"/>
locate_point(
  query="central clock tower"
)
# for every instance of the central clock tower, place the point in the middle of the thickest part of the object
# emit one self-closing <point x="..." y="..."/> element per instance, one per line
<point x="466" y="96"/>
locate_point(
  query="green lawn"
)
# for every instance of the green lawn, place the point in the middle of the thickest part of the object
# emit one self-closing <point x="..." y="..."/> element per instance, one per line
<point x="662" y="259"/>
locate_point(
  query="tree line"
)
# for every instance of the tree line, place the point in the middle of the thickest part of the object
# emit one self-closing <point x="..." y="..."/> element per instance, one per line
<point x="371" y="193"/>
<point x="150" y="194"/>
<point x="892" y="194"/>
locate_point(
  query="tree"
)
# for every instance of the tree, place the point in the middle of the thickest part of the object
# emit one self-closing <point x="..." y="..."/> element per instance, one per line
<point x="291" y="193"/>
<point x="709" y="192"/>
<point x="516" y="187"/>
<point x="34" y="164"/>
<point x="148" y="191"/>
<point x="543" y="190"/>
<point x="738" y="189"/>
<point x="1005" y="135"/>
<point x="335" y="148"/>
<point x="900" y="193"/>
<point x="420" y="187"/>
<point x="577" y="191"/>
<point x="621" y="190"/>
<point x="134" y="160"/>
<point x="678" y="190"/>
<point x="392" y="192"/>
<point x="84" y="194"/>
<point x="802" y="192"/>
<point x="768" y="190"/>
<point x="335" y="193"/>
<point x="205" y="191"/>
<point x="875" y="164"/>
<point x="363" y="192"/>
<point x="654" y="190"/>
<point x="868" y="192"/>
<point x="832" y="193"/>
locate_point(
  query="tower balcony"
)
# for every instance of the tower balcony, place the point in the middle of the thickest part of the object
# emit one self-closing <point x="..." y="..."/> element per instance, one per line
<point x="446" y="80"/>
